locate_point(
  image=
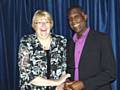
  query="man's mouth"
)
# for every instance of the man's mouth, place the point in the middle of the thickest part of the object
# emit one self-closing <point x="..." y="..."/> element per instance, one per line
<point x="76" y="25"/>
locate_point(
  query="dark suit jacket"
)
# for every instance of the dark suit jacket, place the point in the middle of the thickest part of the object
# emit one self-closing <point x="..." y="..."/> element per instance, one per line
<point x="97" y="64"/>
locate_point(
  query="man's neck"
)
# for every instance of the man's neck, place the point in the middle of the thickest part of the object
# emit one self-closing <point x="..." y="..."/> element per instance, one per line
<point x="79" y="34"/>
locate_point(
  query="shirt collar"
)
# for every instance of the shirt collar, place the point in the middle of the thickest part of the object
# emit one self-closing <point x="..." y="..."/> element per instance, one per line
<point x="75" y="39"/>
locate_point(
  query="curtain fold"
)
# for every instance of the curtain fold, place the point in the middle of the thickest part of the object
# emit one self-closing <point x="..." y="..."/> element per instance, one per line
<point x="15" y="21"/>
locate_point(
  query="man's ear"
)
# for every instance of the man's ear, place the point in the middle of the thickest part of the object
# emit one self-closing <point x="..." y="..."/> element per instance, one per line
<point x="85" y="16"/>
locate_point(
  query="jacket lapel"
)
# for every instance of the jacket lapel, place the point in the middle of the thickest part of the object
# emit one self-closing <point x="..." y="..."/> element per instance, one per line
<point x="86" y="46"/>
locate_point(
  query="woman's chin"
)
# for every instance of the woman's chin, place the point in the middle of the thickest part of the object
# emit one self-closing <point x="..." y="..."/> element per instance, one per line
<point x="44" y="35"/>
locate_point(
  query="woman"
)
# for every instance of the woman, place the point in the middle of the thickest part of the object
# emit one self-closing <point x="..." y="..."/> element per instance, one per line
<point x="42" y="56"/>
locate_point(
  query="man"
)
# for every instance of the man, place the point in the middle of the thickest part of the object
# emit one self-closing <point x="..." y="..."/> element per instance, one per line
<point x="90" y="56"/>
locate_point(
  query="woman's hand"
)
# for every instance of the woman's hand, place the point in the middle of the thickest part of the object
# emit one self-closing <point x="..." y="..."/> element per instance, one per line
<point x="38" y="81"/>
<point x="63" y="78"/>
<point x="60" y="87"/>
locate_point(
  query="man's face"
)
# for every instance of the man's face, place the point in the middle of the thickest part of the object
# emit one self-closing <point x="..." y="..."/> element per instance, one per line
<point x="77" y="20"/>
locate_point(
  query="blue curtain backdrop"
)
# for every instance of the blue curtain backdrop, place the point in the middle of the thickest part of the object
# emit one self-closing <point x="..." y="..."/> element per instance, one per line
<point x="15" y="21"/>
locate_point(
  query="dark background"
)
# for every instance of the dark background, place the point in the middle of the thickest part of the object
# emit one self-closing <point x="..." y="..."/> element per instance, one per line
<point x="15" y="21"/>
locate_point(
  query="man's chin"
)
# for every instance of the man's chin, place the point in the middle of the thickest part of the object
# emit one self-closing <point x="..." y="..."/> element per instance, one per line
<point x="76" y="29"/>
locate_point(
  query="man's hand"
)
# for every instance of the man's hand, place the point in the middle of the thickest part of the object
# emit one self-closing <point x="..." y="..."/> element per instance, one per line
<point x="77" y="85"/>
<point x="67" y="85"/>
<point x="74" y="85"/>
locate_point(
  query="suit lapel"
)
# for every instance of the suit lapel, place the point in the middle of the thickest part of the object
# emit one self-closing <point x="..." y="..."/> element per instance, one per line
<point x="86" y="46"/>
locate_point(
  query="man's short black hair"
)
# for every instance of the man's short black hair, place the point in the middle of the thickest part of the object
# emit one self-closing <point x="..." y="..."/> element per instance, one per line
<point x="77" y="7"/>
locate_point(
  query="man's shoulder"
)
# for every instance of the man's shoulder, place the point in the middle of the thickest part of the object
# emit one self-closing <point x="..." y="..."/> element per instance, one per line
<point x="99" y="33"/>
<point x="101" y="36"/>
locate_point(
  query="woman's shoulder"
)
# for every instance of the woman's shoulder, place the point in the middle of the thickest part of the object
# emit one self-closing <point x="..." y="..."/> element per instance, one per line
<point x="27" y="37"/>
<point x="60" y="38"/>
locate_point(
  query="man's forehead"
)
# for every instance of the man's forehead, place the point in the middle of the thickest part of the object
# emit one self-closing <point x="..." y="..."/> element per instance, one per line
<point x="75" y="10"/>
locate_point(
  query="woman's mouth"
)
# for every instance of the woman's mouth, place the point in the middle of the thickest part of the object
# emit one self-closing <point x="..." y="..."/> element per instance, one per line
<point x="44" y="30"/>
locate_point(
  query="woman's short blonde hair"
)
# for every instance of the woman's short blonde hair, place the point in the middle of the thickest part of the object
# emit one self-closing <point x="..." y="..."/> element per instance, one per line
<point x="38" y="14"/>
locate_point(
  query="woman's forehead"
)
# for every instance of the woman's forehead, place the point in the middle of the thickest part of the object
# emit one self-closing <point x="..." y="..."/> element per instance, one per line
<point x="42" y="18"/>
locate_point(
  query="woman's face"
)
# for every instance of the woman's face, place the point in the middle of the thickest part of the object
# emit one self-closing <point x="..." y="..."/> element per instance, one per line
<point x="43" y="27"/>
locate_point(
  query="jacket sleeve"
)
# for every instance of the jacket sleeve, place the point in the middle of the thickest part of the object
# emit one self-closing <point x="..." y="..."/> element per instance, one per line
<point x="108" y="71"/>
<point x="24" y="65"/>
<point x="64" y="65"/>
